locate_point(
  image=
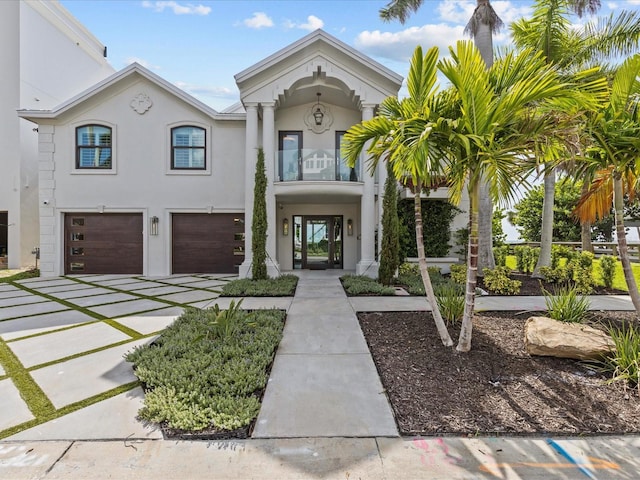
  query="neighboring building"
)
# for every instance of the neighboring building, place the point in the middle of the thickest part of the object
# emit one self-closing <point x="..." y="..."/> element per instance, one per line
<point x="148" y="180"/>
<point x="46" y="56"/>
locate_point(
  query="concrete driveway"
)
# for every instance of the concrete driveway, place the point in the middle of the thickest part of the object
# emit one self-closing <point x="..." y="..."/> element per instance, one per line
<point x="62" y="342"/>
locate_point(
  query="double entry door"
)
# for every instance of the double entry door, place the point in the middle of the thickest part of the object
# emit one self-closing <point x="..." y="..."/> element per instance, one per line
<point x="317" y="242"/>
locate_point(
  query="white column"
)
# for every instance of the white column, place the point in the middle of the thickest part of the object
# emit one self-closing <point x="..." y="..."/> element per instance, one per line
<point x="268" y="144"/>
<point x="251" y="155"/>
<point x="367" y="264"/>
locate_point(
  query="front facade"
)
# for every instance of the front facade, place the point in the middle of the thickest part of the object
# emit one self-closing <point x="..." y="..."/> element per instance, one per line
<point x="46" y="56"/>
<point x="148" y="180"/>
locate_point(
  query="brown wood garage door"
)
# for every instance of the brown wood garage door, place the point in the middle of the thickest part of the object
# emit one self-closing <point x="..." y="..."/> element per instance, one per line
<point x="207" y="243"/>
<point x="103" y="243"/>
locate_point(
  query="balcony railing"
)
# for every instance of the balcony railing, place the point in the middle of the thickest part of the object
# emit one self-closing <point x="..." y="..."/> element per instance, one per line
<point x="314" y="165"/>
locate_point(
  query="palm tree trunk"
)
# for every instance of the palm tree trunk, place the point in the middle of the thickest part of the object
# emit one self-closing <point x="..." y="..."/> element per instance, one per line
<point x="585" y="226"/>
<point x="466" y="329"/>
<point x="546" y="233"/>
<point x="485" y="230"/>
<point x="483" y="40"/>
<point x="424" y="273"/>
<point x="623" y="250"/>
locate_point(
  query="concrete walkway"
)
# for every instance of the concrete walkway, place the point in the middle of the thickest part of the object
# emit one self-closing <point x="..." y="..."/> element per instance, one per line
<point x="323" y="382"/>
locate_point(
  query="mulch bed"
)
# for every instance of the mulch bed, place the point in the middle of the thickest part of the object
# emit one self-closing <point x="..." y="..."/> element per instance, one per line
<point x="496" y="388"/>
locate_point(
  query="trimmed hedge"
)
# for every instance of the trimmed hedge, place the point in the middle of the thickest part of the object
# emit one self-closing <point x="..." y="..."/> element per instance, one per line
<point x="196" y="379"/>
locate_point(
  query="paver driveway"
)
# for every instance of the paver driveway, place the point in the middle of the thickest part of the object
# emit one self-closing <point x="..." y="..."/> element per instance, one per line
<point x="62" y="342"/>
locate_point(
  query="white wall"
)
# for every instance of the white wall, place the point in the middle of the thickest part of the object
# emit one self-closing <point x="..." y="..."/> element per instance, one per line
<point x="10" y="131"/>
<point x="142" y="180"/>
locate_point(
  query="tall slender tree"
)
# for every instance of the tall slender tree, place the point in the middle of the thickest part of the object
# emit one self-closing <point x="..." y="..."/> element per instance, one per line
<point x="259" y="224"/>
<point x="390" y="245"/>
<point x="411" y="135"/>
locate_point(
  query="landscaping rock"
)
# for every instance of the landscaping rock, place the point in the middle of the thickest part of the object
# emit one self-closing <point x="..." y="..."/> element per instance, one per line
<point x="547" y="337"/>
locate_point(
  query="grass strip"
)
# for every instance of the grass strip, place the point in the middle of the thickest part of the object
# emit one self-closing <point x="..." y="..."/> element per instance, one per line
<point x="82" y="354"/>
<point x="68" y="409"/>
<point x="36" y="400"/>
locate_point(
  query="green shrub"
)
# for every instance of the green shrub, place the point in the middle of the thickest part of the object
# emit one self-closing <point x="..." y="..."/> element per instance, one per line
<point x="497" y="280"/>
<point x="226" y="323"/>
<point x="526" y="258"/>
<point x="500" y="254"/>
<point x="409" y="277"/>
<point x="560" y="251"/>
<point x="459" y="273"/>
<point x="282" y="286"/>
<point x="363" y="285"/>
<point x="624" y="362"/>
<point x="566" y="304"/>
<point x="408" y="269"/>
<point x="450" y="298"/>
<point x="558" y="274"/>
<point x="607" y="270"/>
<point x="195" y="378"/>
<point x="582" y="272"/>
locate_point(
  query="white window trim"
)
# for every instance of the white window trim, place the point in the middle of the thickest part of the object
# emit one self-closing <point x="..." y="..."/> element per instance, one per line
<point x="114" y="152"/>
<point x="208" y="147"/>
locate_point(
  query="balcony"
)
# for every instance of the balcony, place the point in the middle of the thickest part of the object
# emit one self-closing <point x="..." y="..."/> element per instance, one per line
<point x="314" y="165"/>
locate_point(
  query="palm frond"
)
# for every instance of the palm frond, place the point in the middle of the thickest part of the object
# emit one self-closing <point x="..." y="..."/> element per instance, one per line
<point x="399" y="10"/>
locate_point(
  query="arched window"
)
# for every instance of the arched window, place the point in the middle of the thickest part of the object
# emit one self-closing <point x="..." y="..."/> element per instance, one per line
<point x="188" y="148"/>
<point x="93" y="147"/>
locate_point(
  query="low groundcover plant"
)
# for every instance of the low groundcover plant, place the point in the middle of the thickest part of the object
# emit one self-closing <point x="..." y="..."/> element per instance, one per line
<point x="195" y="378"/>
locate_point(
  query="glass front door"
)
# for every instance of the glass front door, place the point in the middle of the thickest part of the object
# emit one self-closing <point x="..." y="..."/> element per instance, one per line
<point x="317" y="242"/>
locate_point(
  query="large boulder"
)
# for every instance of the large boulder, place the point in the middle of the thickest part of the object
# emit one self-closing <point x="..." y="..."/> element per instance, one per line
<point x="547" y="337"/>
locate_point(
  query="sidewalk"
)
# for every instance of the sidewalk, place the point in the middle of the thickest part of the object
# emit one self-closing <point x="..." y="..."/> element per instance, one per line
<point x="326" y="458"/>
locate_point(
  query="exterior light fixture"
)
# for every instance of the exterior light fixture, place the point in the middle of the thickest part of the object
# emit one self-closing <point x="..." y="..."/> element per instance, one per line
<point x="285" y="227"/>
<point x="317" y="113"/>
<point x="154" y="225"/>
<point x="349" y="227"/>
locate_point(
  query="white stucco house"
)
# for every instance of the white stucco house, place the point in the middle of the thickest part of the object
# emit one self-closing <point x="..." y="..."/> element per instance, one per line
<point x="145" y="179"/>
<point x="46" y="56"/>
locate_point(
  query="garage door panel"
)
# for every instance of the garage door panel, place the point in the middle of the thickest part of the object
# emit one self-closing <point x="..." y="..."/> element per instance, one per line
<point x="103" y="243"/>
<point x="207" y="243"/>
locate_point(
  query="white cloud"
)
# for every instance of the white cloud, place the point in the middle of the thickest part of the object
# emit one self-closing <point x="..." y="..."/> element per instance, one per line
<point x="399" y="46"/>
<point x="259" y="20"/>
<point x="456" y="11"/>
<point x="313" y="23"/>
<point x="460" y="11"/>
<point x="177" y="8"/>
<point x="142" y="62"/>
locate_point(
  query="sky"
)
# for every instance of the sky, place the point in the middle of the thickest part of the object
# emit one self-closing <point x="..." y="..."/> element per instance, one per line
<point x="200" y="45"/>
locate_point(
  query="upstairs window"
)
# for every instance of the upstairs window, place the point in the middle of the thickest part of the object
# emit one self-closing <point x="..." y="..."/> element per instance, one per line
<point x="93" y="147"/>
<point x="188" y="146"/>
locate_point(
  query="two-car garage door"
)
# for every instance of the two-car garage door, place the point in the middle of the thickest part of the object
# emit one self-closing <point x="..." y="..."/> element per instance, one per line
<point x="112" y="243"/>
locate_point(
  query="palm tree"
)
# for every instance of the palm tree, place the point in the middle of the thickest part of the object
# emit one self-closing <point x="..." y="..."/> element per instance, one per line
<point x="481" y="26"/>
<point x="409" y="134"/>
<point x="550" y="32"/>
<point x="615" y="155"/>
<point x="496" y="127"/>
